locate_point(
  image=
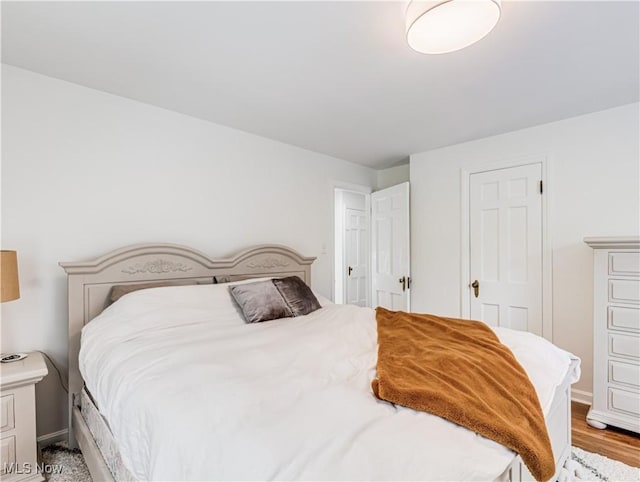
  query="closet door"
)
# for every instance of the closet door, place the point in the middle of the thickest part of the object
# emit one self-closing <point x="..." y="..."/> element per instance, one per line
<point x="505" y="213"/>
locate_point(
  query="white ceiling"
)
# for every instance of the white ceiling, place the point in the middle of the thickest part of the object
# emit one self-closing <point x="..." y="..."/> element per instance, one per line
<point x="336" y="77"/>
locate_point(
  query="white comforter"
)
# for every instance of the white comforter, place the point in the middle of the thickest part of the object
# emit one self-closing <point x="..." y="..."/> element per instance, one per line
<point x="191" y="392"/>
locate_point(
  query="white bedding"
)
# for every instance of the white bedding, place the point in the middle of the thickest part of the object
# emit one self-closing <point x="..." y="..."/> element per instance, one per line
<point x="191" y="392"/>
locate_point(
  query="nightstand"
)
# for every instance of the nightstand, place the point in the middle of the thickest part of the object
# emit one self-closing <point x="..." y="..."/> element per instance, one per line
<point x="18" y="451"/>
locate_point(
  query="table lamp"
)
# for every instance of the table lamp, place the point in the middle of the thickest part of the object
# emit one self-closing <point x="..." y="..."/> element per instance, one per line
<point x="9" y="289"/>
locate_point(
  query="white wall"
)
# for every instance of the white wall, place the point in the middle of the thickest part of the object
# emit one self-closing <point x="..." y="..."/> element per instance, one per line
<point x="85" y="172"/>
<point x="392" y="176"/>
<point x="593" y="190"/>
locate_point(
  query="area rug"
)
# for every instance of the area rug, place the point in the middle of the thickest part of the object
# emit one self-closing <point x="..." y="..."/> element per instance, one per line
<point x="583" y="465"/>
<point x="61" y="464"/>
<point x="66" y="465"/>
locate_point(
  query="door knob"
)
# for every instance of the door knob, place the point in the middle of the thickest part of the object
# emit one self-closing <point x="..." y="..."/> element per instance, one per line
<point x="476" y="287"/>
<point x="403" y="282"/>
<point x="349" y="270"/>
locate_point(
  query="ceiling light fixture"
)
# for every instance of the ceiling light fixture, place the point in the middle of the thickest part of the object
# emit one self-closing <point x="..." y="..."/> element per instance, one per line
<point x="442" y="26"/>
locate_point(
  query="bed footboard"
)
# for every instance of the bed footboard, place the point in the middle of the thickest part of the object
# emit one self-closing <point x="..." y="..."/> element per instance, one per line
<point x="559" y="427"/>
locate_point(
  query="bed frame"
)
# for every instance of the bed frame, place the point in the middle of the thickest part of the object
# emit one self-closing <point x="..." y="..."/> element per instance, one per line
<point x="90" y="284"/>
<point x="559" y="427"/>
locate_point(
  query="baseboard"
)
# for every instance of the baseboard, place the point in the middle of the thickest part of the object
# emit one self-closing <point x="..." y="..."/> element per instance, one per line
<point x="51" y="438"/>
<point x="581" y="396"/>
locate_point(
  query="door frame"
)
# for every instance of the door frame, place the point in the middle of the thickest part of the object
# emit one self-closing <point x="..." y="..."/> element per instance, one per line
<point x="360" y="189"/>
<point x="478" y="166"/>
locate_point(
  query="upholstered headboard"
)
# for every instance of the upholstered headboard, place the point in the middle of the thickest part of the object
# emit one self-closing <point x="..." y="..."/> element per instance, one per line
<point x="90" y="282"/>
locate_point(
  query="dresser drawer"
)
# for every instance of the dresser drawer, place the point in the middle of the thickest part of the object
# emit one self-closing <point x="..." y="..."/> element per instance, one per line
<point x="625" y="373"/>
<point x="624" y="345"/>
<point x="7" y="453"/>
<point x="7" y="413"/>
<point x="624" y="290"/>
<point x="624" y="402"/>
<point x="624" y="263"/>
<point x="623" y="318"/>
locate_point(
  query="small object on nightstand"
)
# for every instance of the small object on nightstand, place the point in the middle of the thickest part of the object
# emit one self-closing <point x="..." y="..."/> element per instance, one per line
<point x="13" y="357"/>
<point x="18" y="449"/>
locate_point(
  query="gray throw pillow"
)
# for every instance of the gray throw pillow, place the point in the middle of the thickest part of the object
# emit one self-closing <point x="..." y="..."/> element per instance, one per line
<point x="118" y="291"/>
<point x="229" y="278"/>
<point x="260" y="301"/>
<point x="297" y="295"/>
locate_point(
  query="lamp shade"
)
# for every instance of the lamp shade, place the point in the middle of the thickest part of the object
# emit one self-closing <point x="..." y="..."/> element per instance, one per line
<point x="442" y="26"/>
<point x="10" y="288"/>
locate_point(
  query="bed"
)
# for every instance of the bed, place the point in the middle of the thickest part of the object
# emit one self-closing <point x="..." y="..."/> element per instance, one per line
<point x="187" y="391"/>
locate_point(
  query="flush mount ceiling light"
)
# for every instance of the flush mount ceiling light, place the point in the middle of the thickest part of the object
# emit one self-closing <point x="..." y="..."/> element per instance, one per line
<point x="441" y="26"/>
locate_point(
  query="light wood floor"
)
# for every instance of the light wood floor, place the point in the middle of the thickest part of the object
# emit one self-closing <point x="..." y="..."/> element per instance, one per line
<point x="612" y="442"/>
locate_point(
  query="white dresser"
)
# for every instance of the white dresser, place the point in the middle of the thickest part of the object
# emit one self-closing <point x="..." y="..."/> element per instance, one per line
<point x="616" y="333"/>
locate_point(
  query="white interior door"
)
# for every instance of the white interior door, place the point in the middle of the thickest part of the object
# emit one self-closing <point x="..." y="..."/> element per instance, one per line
<point x="390" y="277"/>
<point x="505" y="214"/>
<point x="356" y="256"/>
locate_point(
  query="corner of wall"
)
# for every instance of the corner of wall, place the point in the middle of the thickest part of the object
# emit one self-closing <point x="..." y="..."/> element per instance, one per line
<point x="392" y="176"/>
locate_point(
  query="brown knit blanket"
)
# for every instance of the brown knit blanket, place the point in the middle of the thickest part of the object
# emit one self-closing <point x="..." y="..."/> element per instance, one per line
<point x="459" y="370"/>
